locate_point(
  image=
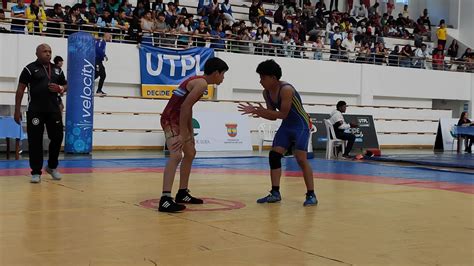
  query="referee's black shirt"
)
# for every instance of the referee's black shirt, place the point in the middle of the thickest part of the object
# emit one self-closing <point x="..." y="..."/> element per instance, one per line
<point x="37" y="77"/>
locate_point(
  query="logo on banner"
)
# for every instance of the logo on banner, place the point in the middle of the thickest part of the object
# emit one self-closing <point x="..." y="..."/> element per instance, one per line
<point x="196" y="127"/>
<point x="231" y="129"/>
<point x="363" y="122"/>
<point x="162" y="70"/>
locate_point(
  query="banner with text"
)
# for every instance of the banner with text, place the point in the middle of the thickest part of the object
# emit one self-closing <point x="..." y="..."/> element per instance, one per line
<point x="366" y="137"/>
<point x="220" y="131"/>
<point x="162" y="70"/>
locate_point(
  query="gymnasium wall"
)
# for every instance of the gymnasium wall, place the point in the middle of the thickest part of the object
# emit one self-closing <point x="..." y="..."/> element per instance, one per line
<point x="319" y="82"/>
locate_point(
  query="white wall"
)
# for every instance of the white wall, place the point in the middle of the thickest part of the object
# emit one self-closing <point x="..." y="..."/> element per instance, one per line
<point x="466" y="22"/>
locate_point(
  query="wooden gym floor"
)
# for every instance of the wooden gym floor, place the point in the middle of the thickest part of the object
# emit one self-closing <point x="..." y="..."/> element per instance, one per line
<point x="103" y="213"/>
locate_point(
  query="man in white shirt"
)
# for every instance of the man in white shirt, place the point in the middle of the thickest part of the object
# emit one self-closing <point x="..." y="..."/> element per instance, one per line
<point x="340" y="126"/>
<point x="349" y="42"/>
<point x="420" y="56"/>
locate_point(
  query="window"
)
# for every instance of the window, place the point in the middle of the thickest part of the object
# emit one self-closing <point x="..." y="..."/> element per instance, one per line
<point x="405" y="2"/>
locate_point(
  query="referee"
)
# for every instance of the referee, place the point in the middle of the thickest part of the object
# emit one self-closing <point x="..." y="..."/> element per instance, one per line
<point x="45" y="82"/>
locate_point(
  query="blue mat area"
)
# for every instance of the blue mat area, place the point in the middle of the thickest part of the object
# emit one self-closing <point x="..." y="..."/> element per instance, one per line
<point x="442" y="160"/>
<point x="261" y="163"/>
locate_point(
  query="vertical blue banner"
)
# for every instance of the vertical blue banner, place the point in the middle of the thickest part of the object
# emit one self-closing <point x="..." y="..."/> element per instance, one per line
<point x="80" y="94"/>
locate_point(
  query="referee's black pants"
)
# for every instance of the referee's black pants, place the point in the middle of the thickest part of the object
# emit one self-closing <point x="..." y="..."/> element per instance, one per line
<point x="100" y="73"/>
<point x="35" y="129"/>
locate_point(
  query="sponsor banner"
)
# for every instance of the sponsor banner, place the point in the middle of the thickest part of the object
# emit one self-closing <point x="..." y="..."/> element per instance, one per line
<point x="445" y="134"/>
<point x="366" y="136"/>
<point x="162" y="70"/>
<point x="80" y="94"/>
<point x="165" y="91"/>
<point x="220" y="131"/>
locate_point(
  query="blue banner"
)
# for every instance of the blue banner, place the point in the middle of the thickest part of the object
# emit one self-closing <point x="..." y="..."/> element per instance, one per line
<point x="80" y="94"/>
<point x="162" y="70"/>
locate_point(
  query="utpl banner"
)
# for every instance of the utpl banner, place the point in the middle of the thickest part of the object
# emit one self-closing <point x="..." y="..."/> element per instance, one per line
<point x="162" y="70"/>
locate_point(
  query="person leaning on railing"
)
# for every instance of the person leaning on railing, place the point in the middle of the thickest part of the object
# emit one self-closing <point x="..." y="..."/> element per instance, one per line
<point x="55" y="16"/>
<point x="36" y="16"/>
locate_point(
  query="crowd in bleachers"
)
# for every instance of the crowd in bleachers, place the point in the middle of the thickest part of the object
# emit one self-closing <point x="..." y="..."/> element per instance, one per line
<point x="289" y="30"/>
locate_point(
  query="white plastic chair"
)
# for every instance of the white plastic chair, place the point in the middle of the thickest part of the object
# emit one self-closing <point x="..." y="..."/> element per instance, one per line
<point x="310" y="142"/>
<point x="332" y="142"/>
<point x="266" y="133"/>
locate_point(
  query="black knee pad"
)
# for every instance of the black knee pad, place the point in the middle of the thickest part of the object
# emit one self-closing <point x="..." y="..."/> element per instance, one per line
<point x="275" y="160"/>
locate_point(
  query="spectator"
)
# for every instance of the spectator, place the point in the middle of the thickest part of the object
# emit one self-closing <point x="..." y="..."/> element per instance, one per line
<point x="127" y="8"/>
<point x="359" y="13"/>
<point x="393" y="58"/>
<point x="349" y="43"/>
<point x="135" y="32"/>
<point x="406" y="13"/>
<point x="372" y="11"/>
<point x="185" y="30"/>
<point x="54" y="17"/>
<point x="253" y="11"/>
<point x="337" y="51"/>
<point x="453" y="49"/>
<point x="18" y="11"/>
<point x="140" y="10"/>
<point x="36" y="16"/>
<point x="44" y="82"/>
<point x="218" y="35"/>
<point x="92" y="15"/>
<point x="438" y="58"/>
<point x="340" y="127"/>
<point x="318" y="48"/>
<point x="106" y="21"/>
<point x="161" y="30"/>
<point x="58" y="62"/>
<point x="203" y="8"/>
<point x="148" y="27"/>
<point x="405" y="56"/>
<point x="202" y="33"/>
<point x="380" y="53"/>
<point x="425" y="19"/>
<point x="442" y="34"/>
<point x="420" y="57"/>
<point x="226" y="7"/>
<point x="464" y="121"/>
<point x="289" y="45"/>
<point x="122" y="24"/>
<point x="390" y="6"/>
<point x="337" y="35"/>
<point x="91" y="18"/>
<point x="73" y="21"/>
<point x="364" y="54"/>
<point x="171" y="15"/>
<point x="158" y="7"/>
<point x="277" y="41"/>
<point x="100" y="56"/>
<point x="466" y="54"/>
<point x="278" y="16"/>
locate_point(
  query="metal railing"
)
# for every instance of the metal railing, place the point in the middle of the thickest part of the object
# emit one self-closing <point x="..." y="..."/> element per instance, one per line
<point x="236" y="45"/>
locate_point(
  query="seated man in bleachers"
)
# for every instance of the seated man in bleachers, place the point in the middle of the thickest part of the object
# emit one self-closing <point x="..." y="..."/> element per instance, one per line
<point x="340" y="126"/>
